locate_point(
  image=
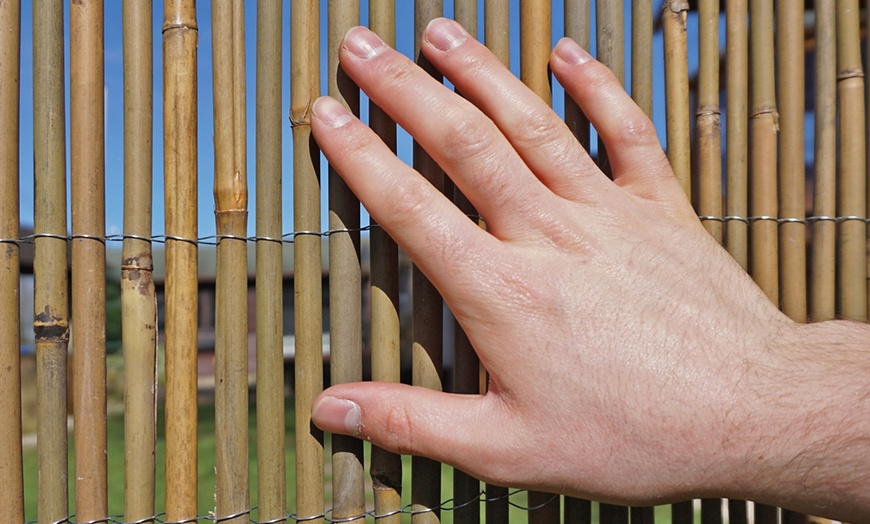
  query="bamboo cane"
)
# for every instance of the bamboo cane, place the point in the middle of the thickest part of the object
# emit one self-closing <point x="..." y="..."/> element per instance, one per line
<point x="737" y="512"/>
<point x="231" y="203"/>
<point x="674" y="14"/>
<point x="426" y="307"/>
<point x="610" y="39"/>
<point x="386" y="468"/>
<point x="271" y="466"/>
<point x="536" y="28"/>
<point x="535" y="35"/>
<point x="305" y="87"/>
<point x="345" y="281"/>
<point x="641" y="55"/>
<point x="496" y="27"/>
<point x="87" y="154"/>
<point x="578" y="26"/>
<point x="852" y="265"/>
<point x="707" y="118"/>
<point x="466" y="366"/>
<point x="138" y="297"/>
<point x="12" y="496"/>
<point x="51" y="300"/>
<point x="180" y="35"/>
<point x="792" y="192"/>
<point x="764" y="124"/>
<point x="737" y="136"/>
<point x="677" y="92"/>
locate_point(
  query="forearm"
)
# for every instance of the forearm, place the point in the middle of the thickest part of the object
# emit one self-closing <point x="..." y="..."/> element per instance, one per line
<point x="810" y="441"/>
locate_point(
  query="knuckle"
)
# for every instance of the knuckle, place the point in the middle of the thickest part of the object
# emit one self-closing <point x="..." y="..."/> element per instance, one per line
<point x="399" y="430"/>
<point x="468" y="135"/>
<point x="410" y="198"/>
<point x="539" y="128"/>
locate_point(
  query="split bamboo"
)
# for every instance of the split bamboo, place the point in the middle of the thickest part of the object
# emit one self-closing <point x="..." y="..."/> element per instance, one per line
<point x="12" y="496"/>
<point x="536" y="28"/>
<point x="852" y="176"/>
<point x="707" y="117"/>
<point x="271" y="464"/>
<point x="578" y="26"/>
<point x="610" y="40"/>
<point x="674" y="16"/>
<point x="427" y="313"/>
<point x="386" y="467"/>
<point x="231" y="220"/>
<point x="466" y="376"/>
<point x="51" y="299"/>
<point x="180" y="35"/>
<point x="345" y="281"/>
<point x="87" y="156"/>
<point x="138" y="296"/>
<point x="737" y="135"/>
<point x="764" y="128"/>
<point x="641" y="55"/>
<point x="308" y="292"/>
<point x="792" y="192"/>
<point x="496" y="27"/>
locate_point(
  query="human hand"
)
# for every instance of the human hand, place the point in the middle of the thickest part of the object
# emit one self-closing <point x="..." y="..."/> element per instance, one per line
<point x="623" y="344"/>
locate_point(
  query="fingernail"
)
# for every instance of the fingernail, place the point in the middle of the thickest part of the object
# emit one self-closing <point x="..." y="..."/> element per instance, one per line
<point x="445" y="34"/>
<point x="570" y="52"/>
<point x="363" y="43"/>
<point x="330" y="112"/>
<point x="337" y="415"/>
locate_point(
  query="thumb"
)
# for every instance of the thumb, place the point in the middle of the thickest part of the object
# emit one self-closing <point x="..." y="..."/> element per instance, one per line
<point x="410" y="420"/>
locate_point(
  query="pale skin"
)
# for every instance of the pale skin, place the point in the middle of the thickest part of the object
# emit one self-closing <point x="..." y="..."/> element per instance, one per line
<point x="631" y="360"/>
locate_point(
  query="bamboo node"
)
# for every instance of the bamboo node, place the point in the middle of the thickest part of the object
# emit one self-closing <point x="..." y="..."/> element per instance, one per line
<point x="850" y="73"/>
<point x="179" y="25"/>
<point x="767" y="111"/>
<point x="303" y="120"/>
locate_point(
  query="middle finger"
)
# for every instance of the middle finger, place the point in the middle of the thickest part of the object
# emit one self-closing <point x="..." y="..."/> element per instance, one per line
<point x="460" y="138"/>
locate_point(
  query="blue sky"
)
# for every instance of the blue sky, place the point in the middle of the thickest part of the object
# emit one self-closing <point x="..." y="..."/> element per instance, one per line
<point x="114" y="105"/>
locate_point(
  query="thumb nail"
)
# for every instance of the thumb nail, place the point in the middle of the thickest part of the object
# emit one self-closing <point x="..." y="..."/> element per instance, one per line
<point x="337" y="415"/>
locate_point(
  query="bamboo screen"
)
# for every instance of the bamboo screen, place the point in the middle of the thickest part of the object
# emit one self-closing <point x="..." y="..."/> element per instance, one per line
<point x="793" y="214"/>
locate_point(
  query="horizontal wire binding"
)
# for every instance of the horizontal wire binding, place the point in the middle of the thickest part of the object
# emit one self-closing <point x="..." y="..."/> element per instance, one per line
<point x="290" y="238"/>
<point x="447" y="505"/>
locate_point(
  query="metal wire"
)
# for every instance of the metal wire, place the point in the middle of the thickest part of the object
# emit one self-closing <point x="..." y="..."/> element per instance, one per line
<point x="447" y="505"/>
<point x="290" y="238"/>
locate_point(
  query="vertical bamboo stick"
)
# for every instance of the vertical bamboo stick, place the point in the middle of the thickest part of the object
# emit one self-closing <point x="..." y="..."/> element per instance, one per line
<point x="271" y="466"/>
<point x="578" y="26"/>
<point x="345" y="281"/>
<point x="764" y="128"/>
<point x="823" y="289"/>
<point x="677" y="91"/>
<point x="386" y="468"/>
<point x="536" y="27"/>
<point x="610" y="37"/>
<point x="709" y="154"/>
<point x="426" y="307"/>
<point x="466" y="366"/>
<point x="51" y="300"/>
<point x="852" y="177"/>
<point x="737" y="135"/>
<point x="707" y="118"/>
<point x="12" y="496"/>
<point x="138" y="297"/>
<point x="792" y="193"/>
<point x="674" y="18"/>
<point x="180" y="35"/>
<point x="641" y="54"/>
<point x="231" y="214"/>
<point x="496" y="27"/>
<point x="305" y="88"/>
<point x="87" y="154"/>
